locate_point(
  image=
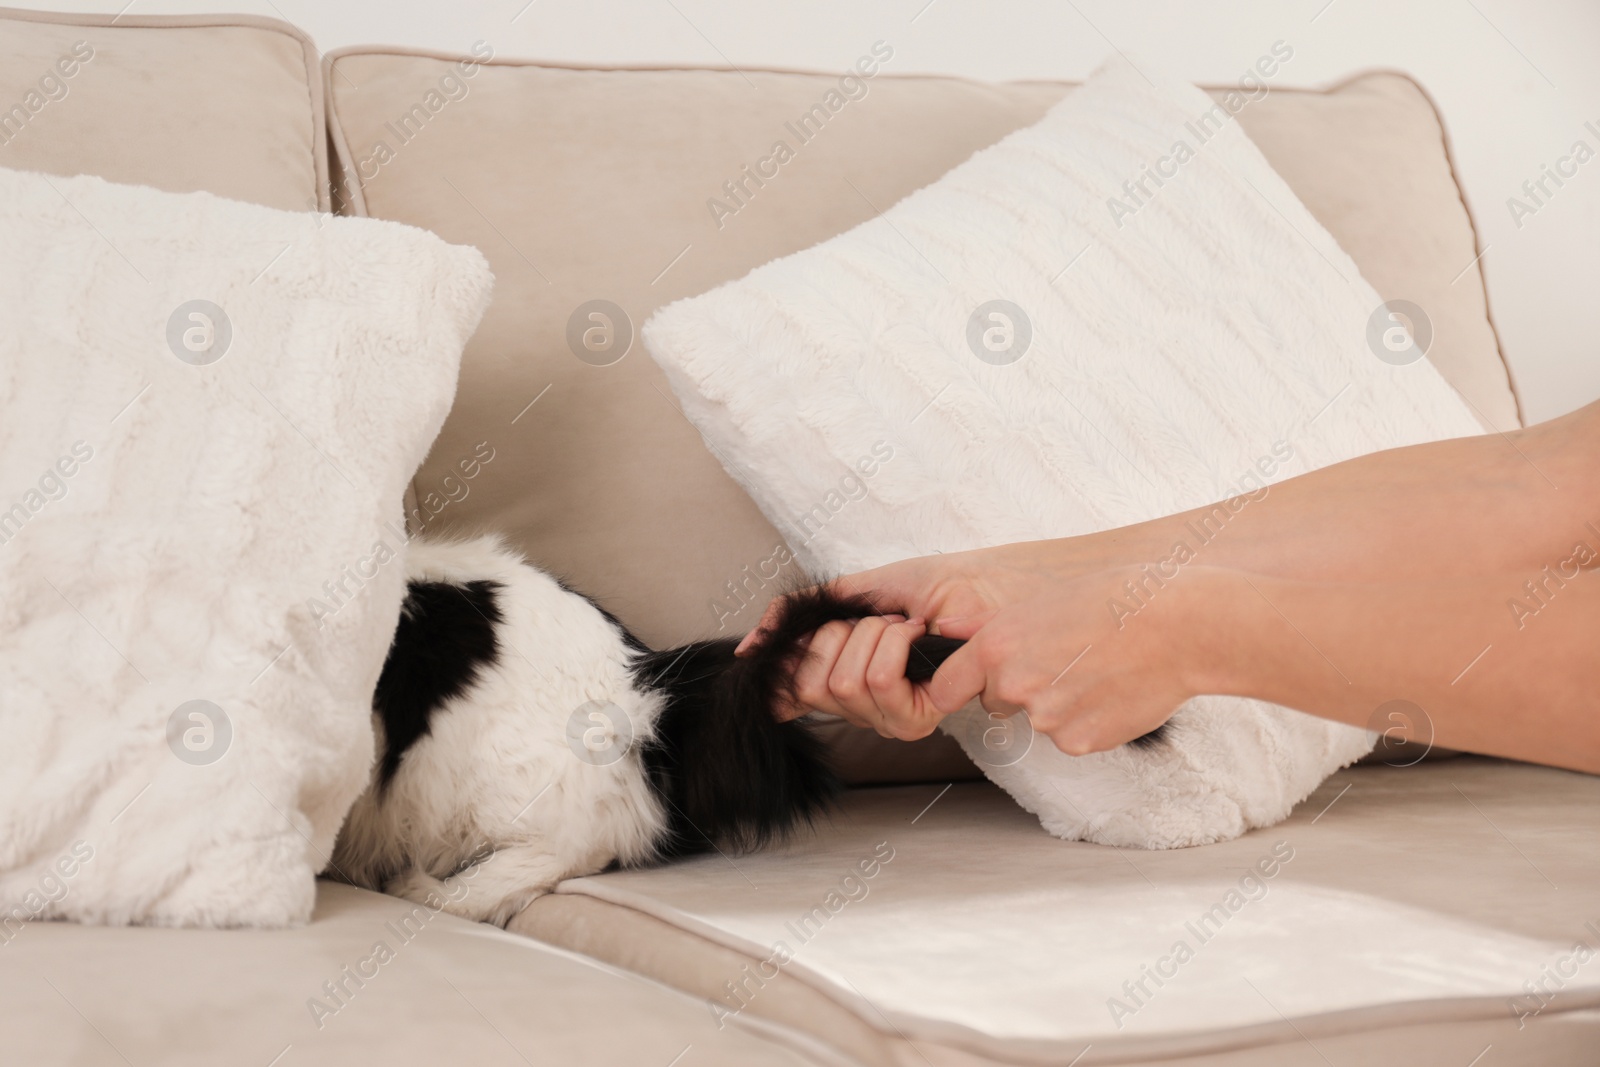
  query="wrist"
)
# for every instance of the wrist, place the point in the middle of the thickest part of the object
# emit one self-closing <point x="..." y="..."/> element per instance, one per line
<point x="1067" y="558"/>
<point x="1216" y="631"/>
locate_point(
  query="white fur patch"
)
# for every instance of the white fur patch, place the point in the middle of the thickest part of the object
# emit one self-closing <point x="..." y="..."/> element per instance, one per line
<point x="495" y="805"/>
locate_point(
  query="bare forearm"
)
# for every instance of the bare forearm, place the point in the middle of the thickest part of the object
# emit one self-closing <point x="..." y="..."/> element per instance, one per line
<point x="1450" y="508"/>
<point x="1488" y="677"/>
<point x="1459" y="576"/>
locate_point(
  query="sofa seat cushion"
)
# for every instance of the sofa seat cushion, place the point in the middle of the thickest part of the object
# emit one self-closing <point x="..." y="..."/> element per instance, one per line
<point x="227" y="104"/>
<point x="440" y="990"/>
<point x="1393" y="899"/>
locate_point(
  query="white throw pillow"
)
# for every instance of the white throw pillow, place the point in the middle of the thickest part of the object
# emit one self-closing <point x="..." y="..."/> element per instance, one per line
<point x="209" y="411"/>
<point x="1118" y="313"/>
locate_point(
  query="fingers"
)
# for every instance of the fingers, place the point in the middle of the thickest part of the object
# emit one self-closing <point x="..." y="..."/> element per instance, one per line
<point x="903" y="710"/>
<point x="811" y="690"/>
<point x="868" y="679"/>
<point x="847" y="682"/>
<point x="1100" y="729"/>
<point x="1080" y="720"/>
<point x="879" y="584"/>
<point x="958" y="680"/>
<point x="812" y="678"/>
<point x="1059" y="714"/>
<point x="857" y="671"/>
<point x="984" y="669"/>
<point x="1081" y="736"/>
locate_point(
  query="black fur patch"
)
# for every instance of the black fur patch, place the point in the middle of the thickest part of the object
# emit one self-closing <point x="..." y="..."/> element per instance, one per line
<point x="446" y="635"/>
<point x="728" y="772"/>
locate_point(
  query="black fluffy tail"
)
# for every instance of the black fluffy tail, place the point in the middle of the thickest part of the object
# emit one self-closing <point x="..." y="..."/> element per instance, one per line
<point x="728" y="771"/>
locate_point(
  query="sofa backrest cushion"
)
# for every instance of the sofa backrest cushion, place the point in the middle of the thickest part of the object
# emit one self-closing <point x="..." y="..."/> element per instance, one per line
<point x="228" y="104"/>
<point x="637" y="187"/>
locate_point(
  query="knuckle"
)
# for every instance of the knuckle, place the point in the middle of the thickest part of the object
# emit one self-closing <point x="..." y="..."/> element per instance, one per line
<point x="883" y="678"/>
<point x="872" y="626"/>
<point x="809" y="692"/>
<point x="994" y="649"/>
<point x="833" y="631"/>
<point x="1012" y="692"/>
<point x="1045" y="720"/>
<point x="846" y="686"/>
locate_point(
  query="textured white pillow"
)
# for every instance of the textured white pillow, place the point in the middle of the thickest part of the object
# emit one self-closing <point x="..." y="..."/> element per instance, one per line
<point x="1177" y="329"/>
<point x="201" y="502"/>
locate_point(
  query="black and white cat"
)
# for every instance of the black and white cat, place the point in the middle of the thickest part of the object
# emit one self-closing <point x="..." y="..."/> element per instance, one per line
<point x="525" y="736"/>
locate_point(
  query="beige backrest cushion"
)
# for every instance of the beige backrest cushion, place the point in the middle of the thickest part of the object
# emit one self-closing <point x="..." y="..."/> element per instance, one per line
<point x="592" y="184"/>
<point x="229" y="104"/>
<point x="1371" y="161"/>
<point x="588" y="185"/>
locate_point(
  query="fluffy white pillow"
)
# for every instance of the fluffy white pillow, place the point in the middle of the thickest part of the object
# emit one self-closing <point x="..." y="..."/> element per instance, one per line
<point x="1118" y="313"/>
<point x="208" y="414"/>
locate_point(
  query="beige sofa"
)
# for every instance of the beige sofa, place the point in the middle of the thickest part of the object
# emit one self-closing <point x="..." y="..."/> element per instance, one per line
<point x="1437" y="913"/>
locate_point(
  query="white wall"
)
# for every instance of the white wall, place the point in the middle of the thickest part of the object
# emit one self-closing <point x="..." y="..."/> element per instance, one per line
<point x="1516" y="82"/>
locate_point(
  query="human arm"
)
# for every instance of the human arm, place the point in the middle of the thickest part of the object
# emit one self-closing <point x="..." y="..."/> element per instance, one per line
<point x="1382" y="569"/>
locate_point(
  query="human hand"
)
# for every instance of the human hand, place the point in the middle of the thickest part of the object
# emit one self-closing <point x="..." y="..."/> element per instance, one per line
<point x="1088" y="678"/>
<point x="958" y="588"/>
<point x="952" y="587"/>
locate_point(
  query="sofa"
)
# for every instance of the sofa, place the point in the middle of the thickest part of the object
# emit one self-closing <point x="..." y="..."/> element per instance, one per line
<point x="1413" y="909"/>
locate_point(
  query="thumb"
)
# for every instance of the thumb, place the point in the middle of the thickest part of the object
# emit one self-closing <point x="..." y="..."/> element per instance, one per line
<point x="962" y="627"/>
<point x="957" y="681"/>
